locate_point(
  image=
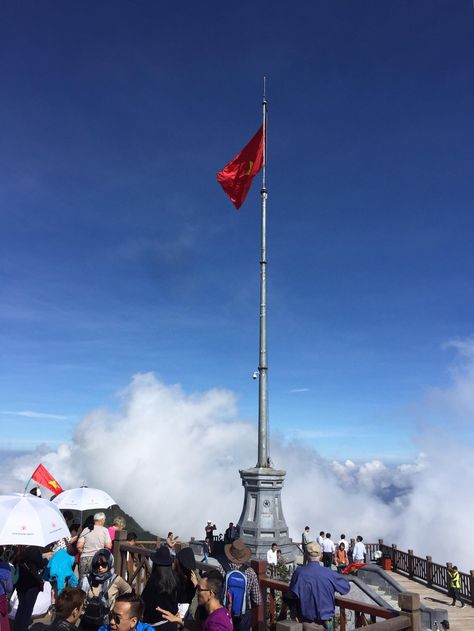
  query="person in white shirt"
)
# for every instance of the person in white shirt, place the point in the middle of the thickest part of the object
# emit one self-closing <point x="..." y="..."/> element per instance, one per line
<point x="272" y="559"/>
<point x="90" y="541"/>
<point x="344" y="541"/>
<point x="329" y="549"/>
<point x="358" y="553"/>
<point x="320" y="538"/>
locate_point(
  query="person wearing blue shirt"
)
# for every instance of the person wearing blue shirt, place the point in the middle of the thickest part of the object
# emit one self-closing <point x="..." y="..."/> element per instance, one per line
<point x="315" y="587"/>
<point x="126" y="615"/>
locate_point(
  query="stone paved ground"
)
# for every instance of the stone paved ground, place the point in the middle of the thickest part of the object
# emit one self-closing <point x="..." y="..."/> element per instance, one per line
<point x="459" y="619"/>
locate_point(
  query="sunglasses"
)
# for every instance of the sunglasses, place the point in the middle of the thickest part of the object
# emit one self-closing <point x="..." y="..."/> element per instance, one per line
<point x="118" y="618"/>
<point x="201" y="589"/>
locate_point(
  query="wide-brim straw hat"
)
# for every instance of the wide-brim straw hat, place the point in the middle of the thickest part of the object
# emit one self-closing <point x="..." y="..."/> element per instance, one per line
<point x="237" y="551"/>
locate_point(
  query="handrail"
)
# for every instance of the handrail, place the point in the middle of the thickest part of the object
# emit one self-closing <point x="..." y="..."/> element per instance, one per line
<point x="274" y="610"/>
<point x="433" y="574"/>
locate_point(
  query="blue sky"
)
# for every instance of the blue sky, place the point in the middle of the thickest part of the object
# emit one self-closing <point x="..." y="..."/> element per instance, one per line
<point x="120" y="253"/>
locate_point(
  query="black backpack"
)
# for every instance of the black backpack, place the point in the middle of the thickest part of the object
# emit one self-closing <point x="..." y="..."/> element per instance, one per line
<point x="96" y="612"/>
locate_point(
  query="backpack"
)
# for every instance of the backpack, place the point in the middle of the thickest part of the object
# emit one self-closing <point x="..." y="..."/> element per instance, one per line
<point x="235" y="591"/>
<point x="97" y="608"/>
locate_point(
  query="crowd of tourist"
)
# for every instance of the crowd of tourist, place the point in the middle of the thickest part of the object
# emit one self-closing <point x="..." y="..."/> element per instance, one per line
<point x="77" y="580"/>
<point x="85" y="592"/>
<point x="344" y="554"/>
<point x="33" y="579"/>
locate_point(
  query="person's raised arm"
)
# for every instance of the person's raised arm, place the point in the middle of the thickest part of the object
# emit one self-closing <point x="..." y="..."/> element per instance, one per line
<point x="192" y="625"/>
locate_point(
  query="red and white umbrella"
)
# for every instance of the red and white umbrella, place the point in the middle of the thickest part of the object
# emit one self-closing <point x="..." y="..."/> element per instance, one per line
<point x="30" y="521"/>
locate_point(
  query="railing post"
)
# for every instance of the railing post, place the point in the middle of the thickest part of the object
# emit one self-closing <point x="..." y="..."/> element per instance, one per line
<point x="120" y="537"/>
<point x="471" y="586"/>
<point x="409" y="604"/>
<point x="359" y="619"/>
<point x="342" y="618"/>
<point x="429" y="571"/>
<point x="289" y="625"/>
<point x="410" y="563"/>
<point x="394" y="557"/>
<point x="258" y="613"/>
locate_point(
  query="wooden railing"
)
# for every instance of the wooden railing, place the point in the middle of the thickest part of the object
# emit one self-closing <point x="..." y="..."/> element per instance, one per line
<point x="132" y="563"/>
<point x="423" y="569"/>
<point x="273" y="610"/>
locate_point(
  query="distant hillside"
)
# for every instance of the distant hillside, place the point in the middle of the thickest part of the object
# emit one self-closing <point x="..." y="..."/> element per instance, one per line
<point x="132" y="525"/>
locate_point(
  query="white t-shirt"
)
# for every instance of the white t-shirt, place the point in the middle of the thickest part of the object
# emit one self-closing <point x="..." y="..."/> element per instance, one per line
<point x="320" y="540"/>
<point x="272" y="557"/>
<point x="358" y="552"/>
<point x="328" y="546"/>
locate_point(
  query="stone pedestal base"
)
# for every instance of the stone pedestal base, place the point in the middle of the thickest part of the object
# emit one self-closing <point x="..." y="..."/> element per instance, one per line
<point x="262" y="521"/>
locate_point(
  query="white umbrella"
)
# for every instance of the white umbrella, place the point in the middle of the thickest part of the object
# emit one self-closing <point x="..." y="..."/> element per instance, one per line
<point x="83" y="498"/>
<point x="29" y="520"/>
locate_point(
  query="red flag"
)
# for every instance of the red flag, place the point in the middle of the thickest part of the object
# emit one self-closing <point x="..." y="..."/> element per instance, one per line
<point x="44" y="477"/>
<point x="236" y="177"/>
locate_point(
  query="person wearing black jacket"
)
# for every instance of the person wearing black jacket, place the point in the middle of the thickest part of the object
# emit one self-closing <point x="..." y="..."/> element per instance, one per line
<point x="161" y="590"/>
<point x="185" y="572"/>
<point x="69" y="606"/>
<point x="30" y="562"/>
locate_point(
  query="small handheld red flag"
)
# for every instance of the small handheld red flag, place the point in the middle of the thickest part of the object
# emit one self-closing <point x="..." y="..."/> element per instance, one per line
<point x="236" y="177"/>
<point x="44" y="477"/>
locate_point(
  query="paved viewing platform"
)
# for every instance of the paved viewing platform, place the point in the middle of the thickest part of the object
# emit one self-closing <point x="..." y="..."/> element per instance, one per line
<point x="459" y="619"/>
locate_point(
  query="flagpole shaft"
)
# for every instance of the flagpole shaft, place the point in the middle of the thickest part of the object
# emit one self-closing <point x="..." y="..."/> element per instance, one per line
<point x="263" y="449"/>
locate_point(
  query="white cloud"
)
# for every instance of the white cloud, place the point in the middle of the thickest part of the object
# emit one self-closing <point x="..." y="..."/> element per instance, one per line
<point x="171" y="459"/>
<point x="297" y="390"/>
<point x="30" y="414"/>
<point x="457" y="401"/>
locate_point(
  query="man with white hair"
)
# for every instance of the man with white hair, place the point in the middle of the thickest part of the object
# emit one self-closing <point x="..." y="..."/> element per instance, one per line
<point x="90" y="541"/>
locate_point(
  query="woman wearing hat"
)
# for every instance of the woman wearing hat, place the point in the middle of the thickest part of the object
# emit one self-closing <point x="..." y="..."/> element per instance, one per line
<point x="185" y="569"/>
<point x="161" y="591"/>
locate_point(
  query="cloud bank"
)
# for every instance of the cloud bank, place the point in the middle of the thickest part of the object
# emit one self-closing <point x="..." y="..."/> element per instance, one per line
<point x="171" y="459"/>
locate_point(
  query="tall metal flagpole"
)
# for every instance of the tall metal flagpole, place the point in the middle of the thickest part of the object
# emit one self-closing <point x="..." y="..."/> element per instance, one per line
<point x="263" y="451"/>
<point x="262" y="518"/>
